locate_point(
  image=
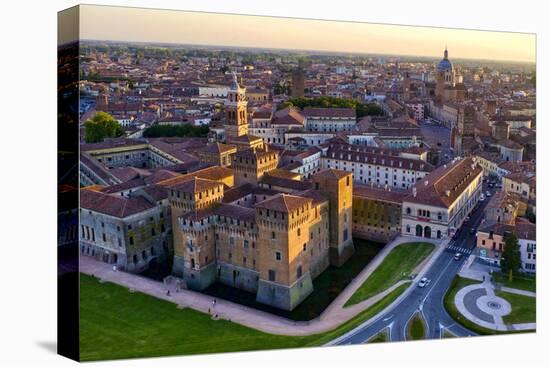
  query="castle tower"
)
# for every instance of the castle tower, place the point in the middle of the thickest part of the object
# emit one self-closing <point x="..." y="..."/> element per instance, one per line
<point x="284" y="233"/>
<point x="407" y="87"/>
<point x="338" y="186"/>
<point x="189" y="195"/>
<point x="236" y="111"/>
<point x="298" y="83"/>
<point x="250" y="165"/>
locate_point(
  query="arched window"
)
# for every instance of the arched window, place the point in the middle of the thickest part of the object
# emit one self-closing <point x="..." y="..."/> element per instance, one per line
<point x="408" y="210"/>
<point x="418" y="230"/>
<point x="427" y="232"/>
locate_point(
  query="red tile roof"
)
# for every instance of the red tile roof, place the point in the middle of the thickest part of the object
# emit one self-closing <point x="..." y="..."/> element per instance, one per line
<point x="283" y="203"/>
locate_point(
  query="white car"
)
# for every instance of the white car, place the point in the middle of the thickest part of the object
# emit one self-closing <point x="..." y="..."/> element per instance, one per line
<point x="488" y="194"/>
<point x="423" y="282"/>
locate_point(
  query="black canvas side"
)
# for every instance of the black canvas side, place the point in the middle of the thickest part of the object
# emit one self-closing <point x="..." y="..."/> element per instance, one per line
<point x="67" y="184"/>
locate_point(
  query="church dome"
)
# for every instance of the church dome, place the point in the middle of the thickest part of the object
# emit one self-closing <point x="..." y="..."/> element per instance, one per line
<point x="445" y="64"/>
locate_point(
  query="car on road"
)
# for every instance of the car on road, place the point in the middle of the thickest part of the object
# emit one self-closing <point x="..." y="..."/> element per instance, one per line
<point x="458" y="256"/>
<point x="423" y="282"/>
<point x="482" y="198"/>
<point x="488" y="194"/>
<point x="467" y="219"/>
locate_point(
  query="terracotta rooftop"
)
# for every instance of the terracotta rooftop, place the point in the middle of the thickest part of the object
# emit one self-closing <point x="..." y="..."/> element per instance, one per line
<point x="195" y="184"/>
<point x="332" y="173"/>
<point x="214" y="173"/>
<point x="113" y="205"/>
<point x="218" y="148"/>
<point x="288" y="116"/>
<point x="377" y="193"/>
<point x="444" y="185"/>
<point x="272" y="181"/>
<point x="283" y="203"/>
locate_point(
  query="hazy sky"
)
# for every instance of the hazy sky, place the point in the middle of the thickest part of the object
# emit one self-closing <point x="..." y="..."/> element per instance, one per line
<point x="149" y="25"/>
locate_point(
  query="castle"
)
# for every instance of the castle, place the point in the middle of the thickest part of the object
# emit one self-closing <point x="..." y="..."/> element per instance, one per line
<point x="229" y="216"/>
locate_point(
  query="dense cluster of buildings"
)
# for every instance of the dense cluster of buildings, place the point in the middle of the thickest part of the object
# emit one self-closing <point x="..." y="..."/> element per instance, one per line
<point x="272" y="197"/>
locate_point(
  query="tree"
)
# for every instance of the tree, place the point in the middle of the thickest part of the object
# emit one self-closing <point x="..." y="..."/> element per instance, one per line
<point x="102" y="126"/>
<point x="511" y="257"/>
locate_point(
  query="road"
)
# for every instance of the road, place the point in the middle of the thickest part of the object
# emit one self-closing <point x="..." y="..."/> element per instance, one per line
<point x="427" y="300"/>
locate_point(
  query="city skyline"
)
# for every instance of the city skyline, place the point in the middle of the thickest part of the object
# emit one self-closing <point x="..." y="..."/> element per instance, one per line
<point x="180" y="27"/>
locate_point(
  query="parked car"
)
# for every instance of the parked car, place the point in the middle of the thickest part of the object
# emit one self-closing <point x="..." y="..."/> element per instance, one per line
<point x="482" y="198"/>
<point x="488" y="194"/>
<point x="458" y="256"/>
<point x="423" y="282"/>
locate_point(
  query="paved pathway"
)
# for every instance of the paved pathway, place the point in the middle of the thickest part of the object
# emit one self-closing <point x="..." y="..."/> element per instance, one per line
<point x="479" y="304"/>
<point x="333" y="316"/>
<point x="518" y="291"/>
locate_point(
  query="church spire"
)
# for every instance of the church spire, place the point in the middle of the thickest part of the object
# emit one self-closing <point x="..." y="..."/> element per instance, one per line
<point x="446" y="53"/>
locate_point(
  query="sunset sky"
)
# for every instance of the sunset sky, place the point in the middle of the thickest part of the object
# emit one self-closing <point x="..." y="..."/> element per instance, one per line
<point x="149" y="25"/>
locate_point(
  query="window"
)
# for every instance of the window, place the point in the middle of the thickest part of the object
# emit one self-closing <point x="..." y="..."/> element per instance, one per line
<point x="131" y="240"/>
<point x="299" y="232"/>
<point x="299" y="271"/>
<point x="345" y="234"/>
<point x="272" y="275"/>
<point x="272" y="235"/>
<point x="277" y="256"/>
<point x="245" y="243"/>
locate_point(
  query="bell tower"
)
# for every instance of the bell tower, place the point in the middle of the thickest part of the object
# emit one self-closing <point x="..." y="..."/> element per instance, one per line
<point x="236" y="111"/>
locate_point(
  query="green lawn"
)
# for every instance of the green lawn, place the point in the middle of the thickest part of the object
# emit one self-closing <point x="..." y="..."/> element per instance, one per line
<point x="381" y="337"/>
<point x="416" y="329"/>
<point x="398" y="265"/>
<point x="524" y="283"/>
<point x="449" y="302"/>
<point x="447" y="335"/>
<point x="523" y="308"/>
<point x="115" y="323"/>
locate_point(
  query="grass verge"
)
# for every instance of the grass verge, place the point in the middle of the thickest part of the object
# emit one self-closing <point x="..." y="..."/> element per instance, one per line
<point x="381" y="337"/>
<point x="523" y="283"/>
<point x="416" y="329"/>
<point x="397" y="265"/>
<point x="523" y="308"/>
<point x="449" y="303"/>
<point x="115" y="324"/>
